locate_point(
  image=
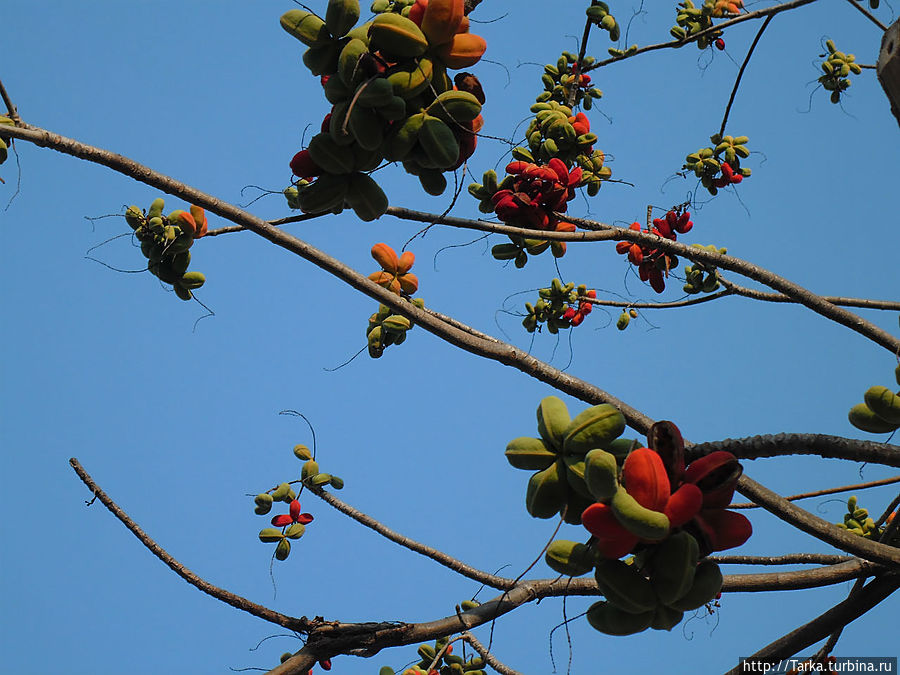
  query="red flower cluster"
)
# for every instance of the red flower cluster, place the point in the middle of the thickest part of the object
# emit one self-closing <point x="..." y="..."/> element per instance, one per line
<point x="654" y="264"/>
<point x="537" y="192"/>
<point x="294" y="516"/>
<point x="728" y="176"/>
<point x="576" y="316"/>
<point x="692" y="497"/>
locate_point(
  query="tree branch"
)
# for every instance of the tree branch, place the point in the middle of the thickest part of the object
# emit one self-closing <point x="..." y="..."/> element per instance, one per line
<point x="871" y="17"/>
<point x="758" y="14"/>
<point x="12" y="113"/>
<point x="828" y="491"/>
<point x="489" y="658"/>
<point x="817" y="527"/>
<point x="492" y="580"/>
<point x="227" y="597"/>
<point x="823" y="445"/>
<point x="840" y="615"/>
<point x="789" y="559"/>
<point x="863" y="303"/>
<point x="493" y="350"/>
<point x="603" y="232"/>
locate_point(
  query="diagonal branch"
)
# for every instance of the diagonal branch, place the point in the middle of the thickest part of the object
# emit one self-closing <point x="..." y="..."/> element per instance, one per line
<point x="818" y="527"/>
<point x="492" y="580"/>
<point x="871" y="17"/>
<point x="840" y="615"/>
<point x="827" y="491"/>
<point x="197" y="582"/>
<point x="823" y="445"/>
<point x="737" y="82"/>
<point x="758" y="14"/>
<point x="603" y="232"/>
<point x="494" y="350"/>
<point x="863" y="303"/>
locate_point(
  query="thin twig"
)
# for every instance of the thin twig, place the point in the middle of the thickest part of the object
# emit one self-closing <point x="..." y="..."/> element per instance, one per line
<point x="820" y="493"/>
<point x="492" y="580"/>
<point x="820" y="627"/>
<point x="12" y="113"/>
<point x="576" y="73"/>
<point x="863" y="303"/>
<point x="489" y="658"/>
<point x="758" y="14"/>
<point x="275" y="223"/>
<point x="818" y="527"/>
<point x="236" y="601"/>
<point x="869" y="15"/>
<point x="737" y="82"/>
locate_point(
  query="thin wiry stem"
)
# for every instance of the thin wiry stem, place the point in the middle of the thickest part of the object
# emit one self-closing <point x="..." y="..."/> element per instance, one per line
<point x="489" y="658"/>
<point x="737" y="82"/>
<point x="828" y="491"/>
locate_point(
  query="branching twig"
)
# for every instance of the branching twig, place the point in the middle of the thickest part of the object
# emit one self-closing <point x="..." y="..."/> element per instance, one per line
<point x="737" y="82"/>
<point x="758" y="14"/>
<point x="827" y="491"/>
<point x="439" y="557"/>
<point x="227" y="597"/>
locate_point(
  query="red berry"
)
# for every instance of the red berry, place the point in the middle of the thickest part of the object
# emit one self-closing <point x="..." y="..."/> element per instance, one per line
<point x="720" y="44"/>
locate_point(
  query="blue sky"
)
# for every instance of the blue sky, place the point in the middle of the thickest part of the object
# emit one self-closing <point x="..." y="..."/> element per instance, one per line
<point x="179" y="423"/>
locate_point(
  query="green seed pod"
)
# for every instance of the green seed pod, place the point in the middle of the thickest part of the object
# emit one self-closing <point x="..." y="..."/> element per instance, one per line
<point x="666" y="618"/>
<point x="637" y="519"/>
<point x="269" y="535"/>
<point x="570" y="558"/>
<point x="674" y="565"/>
<point x="546" y="493"/>
<point x="625" y="587"/>
<point x="706" y="586"/>
<point x="595" y="427"/>
<point x="321" y="479"/>
<point x="302" y="453"/>
<point x="884" y="403"/>
<point x="283" y="550"/>
<point x="310" y="468"/>
<point x="264" y="501"/>
<point x="337" y="483"/>
<point x="466" y="605"/>
<point x="156" y="208"/>
<point x="279" y="493"/>
<point x="295" y="531"/>
<point x="530" y="454"/>
<point x="553" y="419"/>
<point x="609" y="619"/>
<point x="601" y="474"/>
<point x="193" y="280"/>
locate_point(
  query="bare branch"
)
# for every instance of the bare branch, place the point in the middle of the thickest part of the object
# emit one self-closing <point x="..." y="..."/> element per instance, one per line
<point x="301" y="662"/>
<point x="868" y="15"/>
<point x="489" y="658"/>
<point x="817" y="527"/>
<point x="833" y="299"/>
<point x="823" y="445"/>
<point x="227" y="597"/>
<point x="494" y="350"/>
<point x="439" y="557"/>
<point x="840" y="615"/>
<point x="827" y="491"/>
<point x="12" y="113"/>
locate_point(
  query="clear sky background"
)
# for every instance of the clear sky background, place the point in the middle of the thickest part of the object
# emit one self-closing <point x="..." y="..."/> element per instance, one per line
<point x="180" y="423"/>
